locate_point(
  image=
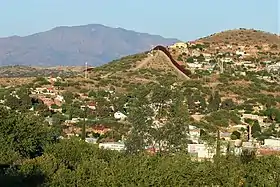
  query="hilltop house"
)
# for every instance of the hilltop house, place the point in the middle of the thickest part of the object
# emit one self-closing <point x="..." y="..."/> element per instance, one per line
<point x="180" y="45"/>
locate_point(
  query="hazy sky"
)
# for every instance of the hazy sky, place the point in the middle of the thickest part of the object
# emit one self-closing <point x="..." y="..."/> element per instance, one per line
<point x="182" y="19"/>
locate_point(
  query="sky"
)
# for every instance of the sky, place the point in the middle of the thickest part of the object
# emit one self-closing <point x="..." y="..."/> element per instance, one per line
<point x="182" y="19"/>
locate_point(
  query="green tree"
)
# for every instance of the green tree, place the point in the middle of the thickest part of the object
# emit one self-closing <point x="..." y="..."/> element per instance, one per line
<point x="214" y="102"/>
<point x="68" y="97"/>
<point x="26" y="133"/>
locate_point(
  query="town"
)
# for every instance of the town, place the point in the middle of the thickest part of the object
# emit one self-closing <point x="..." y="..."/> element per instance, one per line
<point x="94" y="115"/>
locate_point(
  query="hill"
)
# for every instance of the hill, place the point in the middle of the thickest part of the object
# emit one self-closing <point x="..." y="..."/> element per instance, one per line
<point x="243" y="37"/>
<point x="28" y="71"/>
<point x="94" y="43"/>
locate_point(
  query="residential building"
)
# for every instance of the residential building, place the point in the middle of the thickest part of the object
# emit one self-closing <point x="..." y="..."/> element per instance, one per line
<point x="181" y="45"/>
<point x="120" y="116"/>
<point x="272" y="143"/>
<point x="91" y="140"/>
<point x="118" y="146"/>
<point x="100" y="129"/>
<point x="200" y="150"/>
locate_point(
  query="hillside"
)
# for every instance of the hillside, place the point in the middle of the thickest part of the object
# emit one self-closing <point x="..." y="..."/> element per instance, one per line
<point x="243" y="37"/>
<point x="28" y="71"/>
<point x="94" y="43"/>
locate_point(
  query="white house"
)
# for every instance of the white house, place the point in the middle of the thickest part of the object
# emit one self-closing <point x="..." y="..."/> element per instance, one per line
<point x="120" y="116"/>
<point x="241" y="53"/>
<point x="194" y="65"/>
<point x="272" y="143"/>
<point x="59" y="98"/>
<point x="201" y="150"/>
<point x="91" y="140"/>
<point x="112" y="146"/>
<point x="194" y="134"/>
<point x="227" y="59"/>
<point x="179" y="45"/>
<point x="274" y="67"/>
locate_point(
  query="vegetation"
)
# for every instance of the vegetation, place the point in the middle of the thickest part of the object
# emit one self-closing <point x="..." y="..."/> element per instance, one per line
<point x="160" y="109"/>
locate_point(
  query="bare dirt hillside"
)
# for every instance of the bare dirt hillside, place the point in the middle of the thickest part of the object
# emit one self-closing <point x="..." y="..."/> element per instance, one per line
<point x="161" y="62"/>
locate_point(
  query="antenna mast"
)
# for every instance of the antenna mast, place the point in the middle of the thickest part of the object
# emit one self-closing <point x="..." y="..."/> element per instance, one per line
<point x="86" y="73"/>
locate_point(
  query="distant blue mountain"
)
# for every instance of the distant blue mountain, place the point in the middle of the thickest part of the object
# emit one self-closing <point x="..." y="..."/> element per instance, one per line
<point x="97" y="44"/>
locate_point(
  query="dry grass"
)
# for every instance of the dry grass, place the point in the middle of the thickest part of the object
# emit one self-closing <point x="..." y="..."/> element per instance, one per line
<point x="243" y="36"/>
<point x="16" y="81"/>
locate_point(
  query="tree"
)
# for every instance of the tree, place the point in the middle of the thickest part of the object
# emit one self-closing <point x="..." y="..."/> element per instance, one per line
<point x="235" y="135"/>
<point x="228" y="104"/>
<point x="273" y="114"/>
<point x="214" y="102"/>
<point x="68" y="97"/>
<point x="26" y="133"/>
<point x="256" y="129"/>
<point x="190" y="60"/>
<point x="158" y="119"/>
<point x="218" y="120"/>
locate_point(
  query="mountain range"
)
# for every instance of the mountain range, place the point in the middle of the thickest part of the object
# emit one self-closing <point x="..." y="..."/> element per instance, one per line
<point x="73" y="46"/>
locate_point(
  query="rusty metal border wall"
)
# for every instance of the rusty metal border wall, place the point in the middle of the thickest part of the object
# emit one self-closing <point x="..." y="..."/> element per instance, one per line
<point x="182" y="69"/>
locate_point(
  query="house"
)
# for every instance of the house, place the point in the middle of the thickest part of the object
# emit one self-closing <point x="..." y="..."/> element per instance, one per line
<point x="195" y="53"/>
<point x="91" y="140"/>
<point x="91" y="105"/>
<point x="272" y="143"/>
<point x="241" y="53"/>
<point x="120" y="116"/>
<point x="58" y="100"/>
<point x="39" y="91"/>
<point x="273" y="67"/>
<point x="207" y="57"/>
<point x="267" y="151"/>
<point x="200" y="150"/>
<point x="229" y="46"/>
<point x="118" y="146"/>
<point x="260" y="119"/>
<point x="227" y="60"/>
<point x="100" y="129"/>
<point x="47" y="101"/>
<point x="180" y="45"/>
<point x="194" y="135"/>
<point x="225" y="136"/>
<point x="194" y="65"/>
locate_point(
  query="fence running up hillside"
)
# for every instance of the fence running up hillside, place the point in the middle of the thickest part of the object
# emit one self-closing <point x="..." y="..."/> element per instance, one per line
<point x="178" y="66"/>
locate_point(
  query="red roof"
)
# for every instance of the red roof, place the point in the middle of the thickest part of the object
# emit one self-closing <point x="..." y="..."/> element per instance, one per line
<point x="100" y="127"/>
<point x="91" y="104"/>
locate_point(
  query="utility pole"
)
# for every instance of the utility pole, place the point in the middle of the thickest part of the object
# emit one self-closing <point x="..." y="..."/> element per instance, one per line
<point x="86" y="70"/>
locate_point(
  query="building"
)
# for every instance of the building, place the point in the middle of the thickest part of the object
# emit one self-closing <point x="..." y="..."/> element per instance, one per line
<point x="100" y="129"/>
<point x="273" y="67"/>
<point x="200" y="150"/>
<point x="120" y="116"/>
<point x="91" y="140"/>
<point x="180" y="45"/>
<point x="273" y="143"/>
<point x="117" y="146"/>
<point x="91" y="106"/>
<point x="194" y="134"/>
